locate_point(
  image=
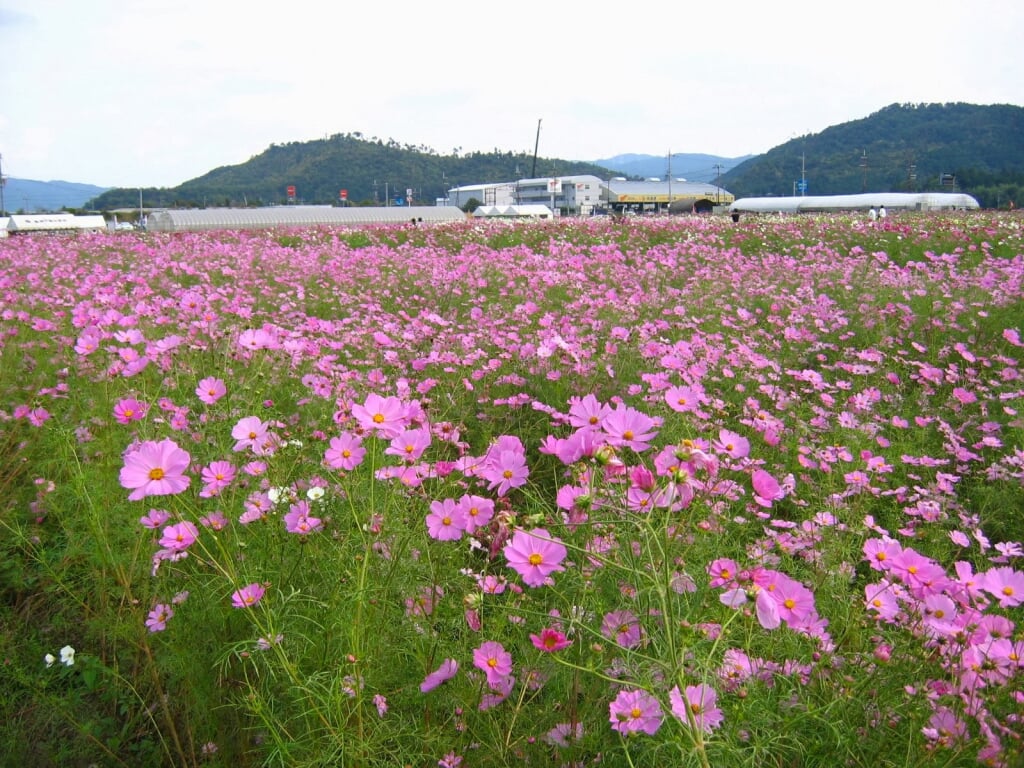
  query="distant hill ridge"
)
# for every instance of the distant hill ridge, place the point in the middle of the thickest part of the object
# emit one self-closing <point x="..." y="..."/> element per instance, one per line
<point x="902" y="147"/>
<point x="28" y="196"/>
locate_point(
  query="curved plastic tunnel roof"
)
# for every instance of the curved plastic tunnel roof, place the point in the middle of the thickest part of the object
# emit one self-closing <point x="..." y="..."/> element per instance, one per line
<point x="193" y="220"/>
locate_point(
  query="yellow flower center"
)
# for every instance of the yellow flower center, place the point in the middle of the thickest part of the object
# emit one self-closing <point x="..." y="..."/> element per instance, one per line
<point x="635" y="712"/>
<point x="156" y="473"/>
<point x="535" y="559"/>
<point x="378" y="418"/>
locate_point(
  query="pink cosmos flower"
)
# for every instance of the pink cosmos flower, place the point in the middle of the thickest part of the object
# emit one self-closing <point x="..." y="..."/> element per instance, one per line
<point x="627" y="427"/>
<point x="880" y="553"/>
<point x="440" y="675"/>
<point x="179" y="536"/>
<point x="157" y="619"/>
<point x="795" y="601"/>
<point x="409" y="444"/>
<point x="587" y="412"/>
<point x="550" y="640"/>
<point x="155" y="518"/>
<point x="249" y="432"/>
<point x="723" y="571"/>
<point x="635" y="712"/>
<point x="155" y="469"/>
<point x="446" y="521"/>
<point x="255" y="507"/>
<point x="210" y="390"/>
<point x="535" y="555"/>
<point x="383" y="415"/>
<point x="682" y="398"/>
<point x="766" y="488"/>
<point x="216" y="477"/>
<point x="248" y="595"/>
<point x="345" y="452"/>
<point x="700" y="704"/>
<point x="298" y="519"/>
<point x="477" y="511"/>
<point x="494" y="661"/>
<point x="505" y="470"/>
<point x="129" y="409"/>
<point x="1005" y="584"/>
<point x="623" y="628"/>
<point x="734" y="445"/>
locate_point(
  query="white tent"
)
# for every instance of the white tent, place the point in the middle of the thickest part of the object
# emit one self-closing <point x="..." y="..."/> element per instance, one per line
<point x="533" y="211"/>
<point x="193" y="220"/>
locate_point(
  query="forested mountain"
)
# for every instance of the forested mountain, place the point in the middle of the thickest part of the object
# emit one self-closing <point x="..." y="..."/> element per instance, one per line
<point x="901" y="148"/>
<point x="369" y="169"/>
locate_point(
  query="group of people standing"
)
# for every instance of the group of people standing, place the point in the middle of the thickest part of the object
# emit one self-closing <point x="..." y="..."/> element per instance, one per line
<point x="874" y="215"/>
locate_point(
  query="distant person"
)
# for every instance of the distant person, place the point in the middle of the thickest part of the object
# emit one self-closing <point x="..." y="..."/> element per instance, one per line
<point x="873" y="214"/>
<point x="881" y="212"/>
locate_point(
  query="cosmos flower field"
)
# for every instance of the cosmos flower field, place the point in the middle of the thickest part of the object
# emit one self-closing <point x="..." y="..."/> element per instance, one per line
<point x="651" y="492"/>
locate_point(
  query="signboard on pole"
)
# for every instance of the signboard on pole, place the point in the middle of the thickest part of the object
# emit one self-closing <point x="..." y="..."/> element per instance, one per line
<point x="291" y="191"/>
<point x="343" y="194"/>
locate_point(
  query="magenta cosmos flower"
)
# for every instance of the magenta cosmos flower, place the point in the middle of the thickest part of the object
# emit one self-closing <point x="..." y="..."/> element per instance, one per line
<point x="383" y="415"/>
<point x="248" y="596"/>
<point x="210" y="390"/>
<point x="700" y="704"/>
<point x="129" y="409"/>
<point x="635" y="712"/>
<point x="443" y="673"/>
<point x="155" y="469"/>
<point x="534" y="555"/>
<point x="345" y="452"/>
<point x="446" y="520"/>
<point x="494" y="661"/>
<point x="157" y="619"/>
<point x="550" y="640"/>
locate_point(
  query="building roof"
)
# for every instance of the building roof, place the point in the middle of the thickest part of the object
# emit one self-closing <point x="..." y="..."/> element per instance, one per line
<point x="190" y="220"/>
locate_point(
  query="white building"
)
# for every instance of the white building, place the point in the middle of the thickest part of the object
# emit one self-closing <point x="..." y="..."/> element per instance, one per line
<point x="584" y="195"/>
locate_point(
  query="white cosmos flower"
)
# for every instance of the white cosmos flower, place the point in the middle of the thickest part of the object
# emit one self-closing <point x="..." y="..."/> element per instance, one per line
<point x="67" y="655"/>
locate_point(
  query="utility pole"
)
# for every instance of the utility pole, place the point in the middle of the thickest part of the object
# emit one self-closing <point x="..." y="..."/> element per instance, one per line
<point x="670" y="182"/>
<point x="3" y="182"/>
<point x="718" y="184"/>
<point x="536" y="144"/>
<point x="864" y="170"/>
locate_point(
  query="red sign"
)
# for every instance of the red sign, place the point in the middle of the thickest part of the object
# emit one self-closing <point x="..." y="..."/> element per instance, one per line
<point x="344" y="194"/>
<point x="291" y="191"/>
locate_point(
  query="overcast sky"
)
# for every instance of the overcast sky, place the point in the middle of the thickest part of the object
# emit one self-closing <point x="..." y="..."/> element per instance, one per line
<point x="157" y="92"/>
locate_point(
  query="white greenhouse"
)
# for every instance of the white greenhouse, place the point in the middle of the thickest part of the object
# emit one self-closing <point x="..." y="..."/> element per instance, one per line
<point x="205" y="219"/>
<point x="893" y="201"/>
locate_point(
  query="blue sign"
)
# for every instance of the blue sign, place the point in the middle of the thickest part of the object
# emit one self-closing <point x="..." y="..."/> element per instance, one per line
<point x="801" y="186"/>
<point x="399" y="201"/>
